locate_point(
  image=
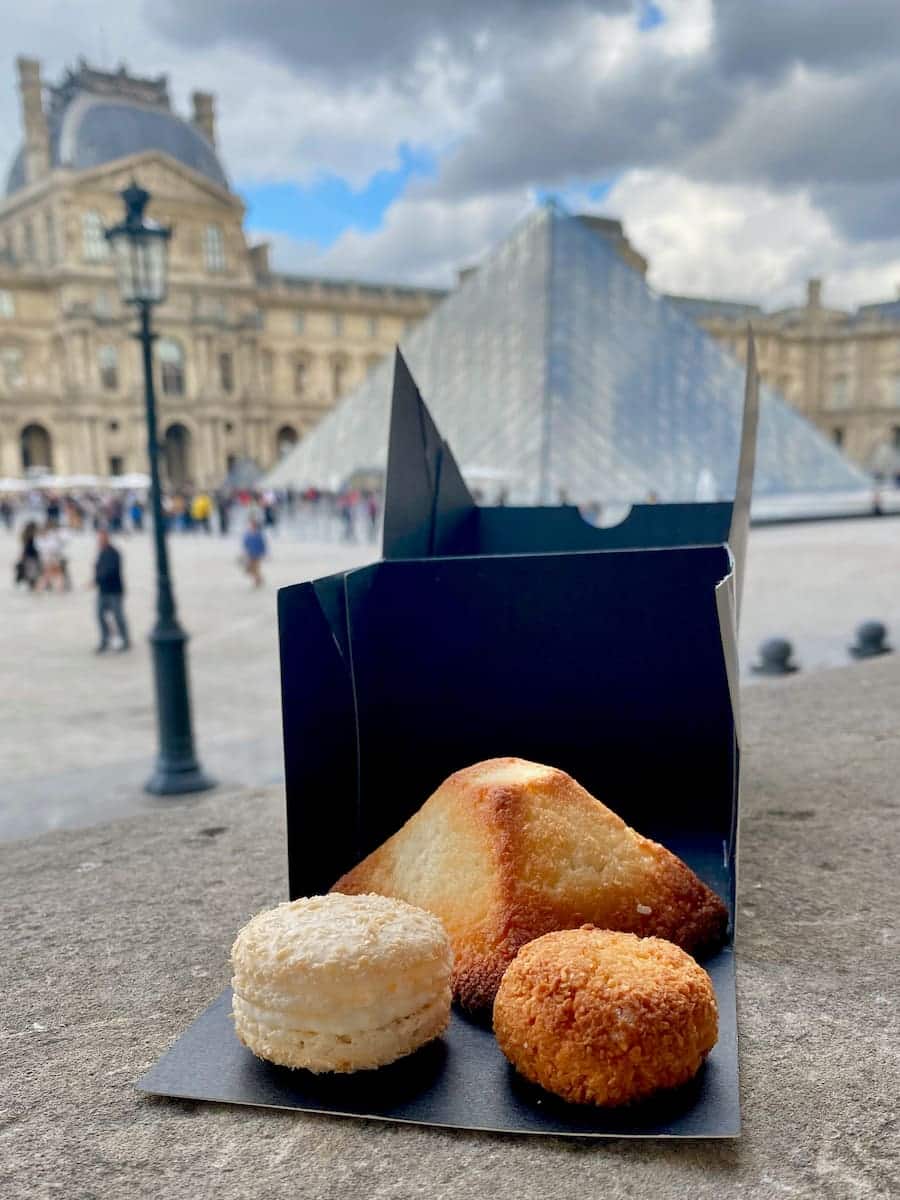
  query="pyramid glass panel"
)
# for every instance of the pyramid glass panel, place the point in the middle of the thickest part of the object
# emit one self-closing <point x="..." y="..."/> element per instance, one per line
<point x="555" y="370"/>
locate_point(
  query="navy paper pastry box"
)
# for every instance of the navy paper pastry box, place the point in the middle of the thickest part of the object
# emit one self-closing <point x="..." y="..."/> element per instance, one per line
<point x="486" y="632"/>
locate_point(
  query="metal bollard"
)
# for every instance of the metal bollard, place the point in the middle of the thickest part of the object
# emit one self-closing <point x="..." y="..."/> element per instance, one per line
<point x="870" y="640"/>
<point x="775" y="658"/>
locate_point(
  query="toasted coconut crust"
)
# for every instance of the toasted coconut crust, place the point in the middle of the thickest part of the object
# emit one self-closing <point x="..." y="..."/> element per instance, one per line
<point x="605" y="1018"/>
<point x="507" y="850"/>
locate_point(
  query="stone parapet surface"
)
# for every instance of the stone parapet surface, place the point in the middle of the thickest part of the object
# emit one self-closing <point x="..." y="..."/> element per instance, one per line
<point x="117" y="937"/>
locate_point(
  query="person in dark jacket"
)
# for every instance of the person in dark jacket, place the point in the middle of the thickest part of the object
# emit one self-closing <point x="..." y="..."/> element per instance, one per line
<point x="110" y="591"/>
<point x="28" y="568"/>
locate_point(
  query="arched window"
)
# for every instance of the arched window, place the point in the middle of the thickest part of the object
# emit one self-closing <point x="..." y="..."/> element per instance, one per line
<point x="177" y="455"/>
<point x="171" y="363"/>
<point x="301" y="377"/>
<point x="36" y="447"/>
<point x="7" y="304"/>
<point x="226" y="373"/>
<point x="108" y="359"/>
<point x="214" y="248"/>
<point x="285" y="440"/>
<point x="10" y="367"/>
<point x="94" y="245"/>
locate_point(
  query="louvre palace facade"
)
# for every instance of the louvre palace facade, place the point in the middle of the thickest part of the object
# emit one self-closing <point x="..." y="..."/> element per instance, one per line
<point x="839" y="369"/>
<point x="247" y="358"/>
<point x="250" y="358"/>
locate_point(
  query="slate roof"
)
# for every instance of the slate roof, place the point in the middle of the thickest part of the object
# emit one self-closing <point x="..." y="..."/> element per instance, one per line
<point x="88" y="129"/>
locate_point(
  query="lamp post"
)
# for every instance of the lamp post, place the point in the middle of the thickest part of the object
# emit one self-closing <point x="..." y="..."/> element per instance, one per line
<point x="140" y="247"/>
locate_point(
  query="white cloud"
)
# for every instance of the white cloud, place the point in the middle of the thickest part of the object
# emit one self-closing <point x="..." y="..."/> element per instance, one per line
<point x="752" y="149"/>
<point x="273" y="123"/>
<point x="424" y="241"/>
<point x="745" y="243"/>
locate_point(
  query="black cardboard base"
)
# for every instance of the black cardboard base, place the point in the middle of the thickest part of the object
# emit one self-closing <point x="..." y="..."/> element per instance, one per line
<point x="461" y="1081"/>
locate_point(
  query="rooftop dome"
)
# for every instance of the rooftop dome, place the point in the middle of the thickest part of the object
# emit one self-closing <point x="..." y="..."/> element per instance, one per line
<point x="96" y="117"/>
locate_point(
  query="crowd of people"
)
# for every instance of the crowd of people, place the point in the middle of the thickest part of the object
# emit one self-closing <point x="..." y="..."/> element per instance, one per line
<point x="44" y="522"/>
<point x="352" y="514"/>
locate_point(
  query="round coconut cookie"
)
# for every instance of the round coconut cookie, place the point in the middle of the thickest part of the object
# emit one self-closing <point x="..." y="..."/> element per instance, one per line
<point x="605" y="1018"/>
<point x="340" y="983"/>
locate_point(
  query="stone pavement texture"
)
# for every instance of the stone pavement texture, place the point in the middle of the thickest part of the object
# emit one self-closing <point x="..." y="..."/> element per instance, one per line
<point x="77" y="734"/>
<point x="117" y="937"/>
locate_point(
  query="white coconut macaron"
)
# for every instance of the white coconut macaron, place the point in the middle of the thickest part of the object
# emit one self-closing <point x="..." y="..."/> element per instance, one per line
<point x="340" y="983"/>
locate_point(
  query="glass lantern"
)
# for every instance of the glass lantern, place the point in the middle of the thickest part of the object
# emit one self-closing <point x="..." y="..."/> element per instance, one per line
<point x="140" y="249"/>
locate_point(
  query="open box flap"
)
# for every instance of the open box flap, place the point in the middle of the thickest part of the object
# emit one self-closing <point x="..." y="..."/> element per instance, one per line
<point x="740" y="517"/>
<point x="429" y="511"/>
<point x="425" y="493"/>
<point x="319" y="723"/>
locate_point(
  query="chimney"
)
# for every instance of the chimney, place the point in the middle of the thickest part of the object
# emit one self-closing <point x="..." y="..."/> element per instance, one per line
<point x="814" y="293"/>
<point x="259" y="257"/>
<point x="204" y="114"/>
<point x="37" y="139"/>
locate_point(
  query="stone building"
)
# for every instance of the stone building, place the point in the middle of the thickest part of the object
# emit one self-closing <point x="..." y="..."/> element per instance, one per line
<point x="247" y="358"/>
<point x="840" y="369"/>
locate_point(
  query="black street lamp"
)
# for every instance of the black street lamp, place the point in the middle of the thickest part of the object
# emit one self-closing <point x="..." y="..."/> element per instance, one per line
<point x="141" y="248"/>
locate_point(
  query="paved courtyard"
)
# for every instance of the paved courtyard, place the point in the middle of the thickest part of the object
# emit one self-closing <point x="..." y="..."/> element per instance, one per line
<point x="77" y="735"/>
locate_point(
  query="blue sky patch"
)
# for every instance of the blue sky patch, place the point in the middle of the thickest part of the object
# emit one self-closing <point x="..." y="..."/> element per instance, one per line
<point x="320" y="212"/>
<point x="649" y="15"/>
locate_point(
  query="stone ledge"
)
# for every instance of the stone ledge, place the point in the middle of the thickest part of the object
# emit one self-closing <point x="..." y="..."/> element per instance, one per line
<point x="118" y="936"/>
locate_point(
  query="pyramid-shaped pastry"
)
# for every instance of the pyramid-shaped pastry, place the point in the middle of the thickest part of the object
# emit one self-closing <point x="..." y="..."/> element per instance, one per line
<point x="507" y="850"/>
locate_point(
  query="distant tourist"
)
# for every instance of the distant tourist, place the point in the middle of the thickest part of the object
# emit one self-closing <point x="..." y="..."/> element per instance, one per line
<point x="269" y="508"/>
<point x="346" y="504"/>
<point x="110" y="593"/>
<point x="372" y="513"/>
<point x="254" y="551"/>
<point x="51" y="547"/>
<point x="7" y="512"/>
<point x="201" y="511"/>
<point x="136" y="514"/>
<point x="114" y="513"/>
<point x="28" y="568"/>
<point x="223" y="510"/>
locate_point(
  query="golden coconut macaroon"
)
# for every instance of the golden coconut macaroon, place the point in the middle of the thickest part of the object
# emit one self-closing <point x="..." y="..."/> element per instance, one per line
<point x="340" y="983"/>
<point x="605" y="1018"/>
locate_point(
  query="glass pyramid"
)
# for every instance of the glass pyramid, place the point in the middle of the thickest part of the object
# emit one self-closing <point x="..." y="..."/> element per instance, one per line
<point x="554" y="370"/>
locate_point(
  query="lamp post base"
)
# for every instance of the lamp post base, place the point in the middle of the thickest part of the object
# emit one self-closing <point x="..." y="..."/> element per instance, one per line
<point x="177" y="769"/>
<point x="178" y="781"/>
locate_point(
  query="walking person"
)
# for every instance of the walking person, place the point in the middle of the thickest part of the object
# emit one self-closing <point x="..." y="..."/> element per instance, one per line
<point x="223" y="509"/>
<point x="28" y="568"/>
<point x="110" y="593"/>
<point x="52" y="550"/>
<point x="201" y="511"/>
<point x="254" y="551"/>
<point x="136" y="514"/>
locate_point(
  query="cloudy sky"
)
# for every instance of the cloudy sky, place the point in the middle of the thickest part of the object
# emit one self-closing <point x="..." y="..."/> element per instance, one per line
<point x="746" y="145"/>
